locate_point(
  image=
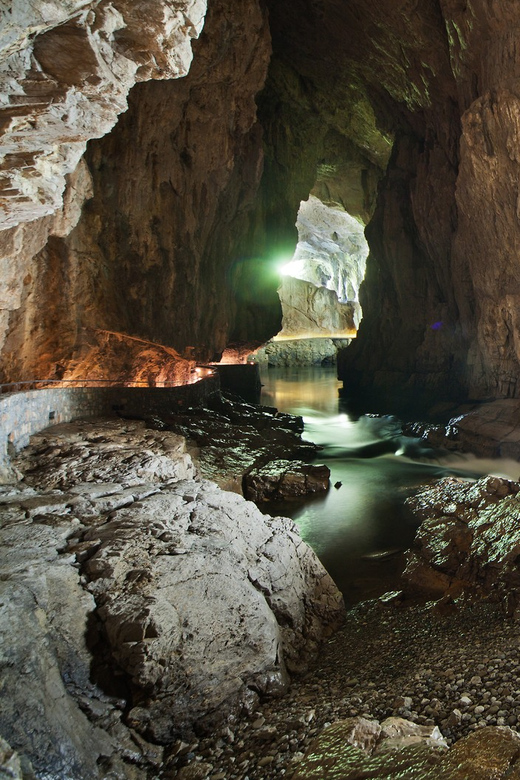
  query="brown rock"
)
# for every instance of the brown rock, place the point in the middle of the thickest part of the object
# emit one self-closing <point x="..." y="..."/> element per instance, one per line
<point x="468" y="540"/>
<point x="281" y="479"/>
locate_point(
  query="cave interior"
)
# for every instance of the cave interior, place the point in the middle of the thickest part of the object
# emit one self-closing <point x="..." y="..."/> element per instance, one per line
<point x="169" y="227"/>
<point x="154" y="157"/>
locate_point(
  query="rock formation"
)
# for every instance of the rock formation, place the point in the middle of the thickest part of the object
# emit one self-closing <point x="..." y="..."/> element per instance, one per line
<point x="311" y="311"/>
<point x="331" y="250"/>
<point x="491" y="430"/>
<point x="125" y="268"/>
<point x="314" y="351"/>
<point x="197" y="187"/>
<point x="397" y="748"/>
<point x="140" y="603"/>
<point x="468" y="540"/>
<point x="66" y="70"/>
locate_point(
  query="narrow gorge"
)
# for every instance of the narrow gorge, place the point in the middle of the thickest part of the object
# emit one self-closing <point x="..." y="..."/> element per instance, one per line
<point x="190" y="188"/>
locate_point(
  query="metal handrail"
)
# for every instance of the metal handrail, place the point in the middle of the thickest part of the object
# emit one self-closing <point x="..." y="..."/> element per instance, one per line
<point x="22" y="384"/>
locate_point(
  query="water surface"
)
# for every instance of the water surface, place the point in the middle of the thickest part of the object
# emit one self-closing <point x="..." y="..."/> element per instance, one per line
<point x="360" y="528"/>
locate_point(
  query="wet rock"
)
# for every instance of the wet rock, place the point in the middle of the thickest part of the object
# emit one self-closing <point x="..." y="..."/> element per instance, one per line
<point x="234" y="438"/>
<point x="280" y="479"/>
<point x="488" y="429"/>
<point x="468" y="541"/>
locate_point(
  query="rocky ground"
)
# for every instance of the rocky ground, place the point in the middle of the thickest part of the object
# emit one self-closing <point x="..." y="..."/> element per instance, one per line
<point x="253" y="450"/>
<point x="459" y="670"/>
<point x="109" y="517"/>
<point x="140" y="603"/>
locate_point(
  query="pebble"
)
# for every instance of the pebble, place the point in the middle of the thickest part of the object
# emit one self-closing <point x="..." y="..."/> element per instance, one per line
<point x="407" y="661"/>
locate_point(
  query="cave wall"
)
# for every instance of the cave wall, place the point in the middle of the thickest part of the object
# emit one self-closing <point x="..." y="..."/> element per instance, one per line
<point x="165" y="249"/>
<point x="170" y="222"/>
<point x="441" y="287"/>
<point x="187" y="206"/>
<point x="174" y="220"/>
<point x="66" y="69"/>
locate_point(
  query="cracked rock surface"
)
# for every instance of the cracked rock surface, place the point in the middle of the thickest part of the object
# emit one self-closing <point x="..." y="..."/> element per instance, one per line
<point x="139" y="603"/>
<point x="468" y="541"/>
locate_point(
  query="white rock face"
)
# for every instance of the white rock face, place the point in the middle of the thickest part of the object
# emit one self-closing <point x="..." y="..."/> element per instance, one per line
<point x="314" y="312"/>
<point x="115" y="559"/>
<point x="331" y="251"/>
<point x="65" y="73"/>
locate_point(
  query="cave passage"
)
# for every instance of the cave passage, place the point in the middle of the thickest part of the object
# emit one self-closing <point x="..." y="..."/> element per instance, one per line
<point x="360" y="529"/>
<point x="329" y="263"/>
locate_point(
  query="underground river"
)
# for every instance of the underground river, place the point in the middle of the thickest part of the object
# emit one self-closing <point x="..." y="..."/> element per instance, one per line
<point x="360" y="528"/>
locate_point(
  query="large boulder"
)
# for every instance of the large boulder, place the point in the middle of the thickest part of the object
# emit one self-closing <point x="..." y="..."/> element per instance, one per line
<point x="205" y="601"/>
<point x="139" y="604"/>
<point x="468" y="541"/>
<point x="281" y="479"/>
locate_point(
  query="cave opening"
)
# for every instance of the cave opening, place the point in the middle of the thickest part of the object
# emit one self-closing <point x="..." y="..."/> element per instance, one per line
<point x="331" y="253"/>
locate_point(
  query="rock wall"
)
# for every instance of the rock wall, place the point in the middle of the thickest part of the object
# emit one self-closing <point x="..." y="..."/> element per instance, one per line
<point x="310" y="311"/>
<point x="65" y="71"/>
<point x="164" y="250"/>
<point x="439" y="299"/>
<point x="331" y="250"/>
<point x="300" y="352"/>
<point x="196" y="190"/>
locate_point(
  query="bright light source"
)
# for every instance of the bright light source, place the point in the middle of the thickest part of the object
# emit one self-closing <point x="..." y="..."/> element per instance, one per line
<point x="282" y="263"/>
<point x="292" y="267"/>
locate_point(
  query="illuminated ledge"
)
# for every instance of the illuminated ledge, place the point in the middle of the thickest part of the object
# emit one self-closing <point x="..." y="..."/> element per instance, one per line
<point x="346" y="334"/>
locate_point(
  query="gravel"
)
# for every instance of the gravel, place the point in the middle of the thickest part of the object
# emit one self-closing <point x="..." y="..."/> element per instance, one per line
<point x="459" y="671"/>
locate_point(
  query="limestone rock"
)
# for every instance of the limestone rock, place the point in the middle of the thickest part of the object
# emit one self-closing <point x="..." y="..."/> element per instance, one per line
<point x="10" y="767"/>
<point x="331" y="250"/>
<point x="468" y="541"/>
<point x="488" y="429"/>
<point x="280" y="479"/>
<point x="233" y="438"/>
<point x="168" y="600"/>
<point x="66" y="73"/>
<point x="300" y="352"/>
<point x="125" y="360"/>
<point x="44" y="616"/>
<point x="203" y="597"/>
<point x="111" y="450"/>
<point x="310" y="311"/>
<point x="359" y="748"/>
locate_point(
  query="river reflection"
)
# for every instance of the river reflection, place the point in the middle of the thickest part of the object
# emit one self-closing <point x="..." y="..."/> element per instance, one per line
<point x="360" y="528"/>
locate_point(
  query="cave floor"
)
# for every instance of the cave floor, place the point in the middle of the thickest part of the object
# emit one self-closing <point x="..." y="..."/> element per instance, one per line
<point x="414" y="661"/>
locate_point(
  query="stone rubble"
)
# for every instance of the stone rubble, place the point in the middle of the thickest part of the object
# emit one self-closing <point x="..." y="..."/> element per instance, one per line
<point x="455" y="671"/>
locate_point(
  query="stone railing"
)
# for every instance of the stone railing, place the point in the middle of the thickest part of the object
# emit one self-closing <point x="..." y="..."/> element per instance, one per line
<point x="27" y="412"/>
